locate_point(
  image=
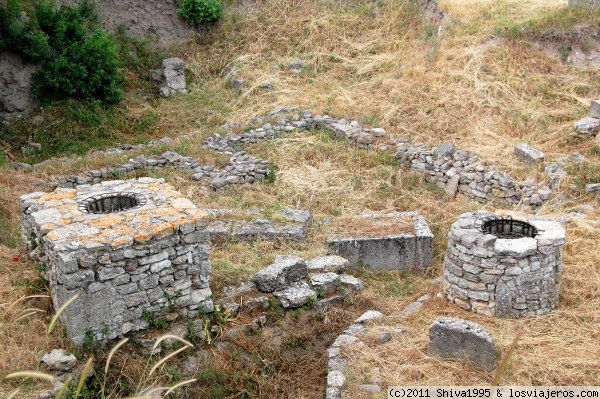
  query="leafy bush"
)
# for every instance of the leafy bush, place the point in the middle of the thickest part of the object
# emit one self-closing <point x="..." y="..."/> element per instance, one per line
<point x="76" y="59"/>
<point x="198" y="11"/>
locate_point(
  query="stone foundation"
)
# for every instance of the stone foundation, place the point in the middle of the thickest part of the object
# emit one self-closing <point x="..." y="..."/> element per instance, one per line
<point x="409" y="251"/>
<point x="505" y="277"/>
<point x="127" y="249"/>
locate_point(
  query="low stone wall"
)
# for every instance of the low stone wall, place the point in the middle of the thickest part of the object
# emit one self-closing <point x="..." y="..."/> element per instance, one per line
<point x="124" y="265"/>
<point x="460" y="171"/>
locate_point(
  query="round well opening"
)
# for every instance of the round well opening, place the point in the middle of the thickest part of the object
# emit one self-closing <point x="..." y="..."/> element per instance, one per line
<point x="508" y="228"/>
<point x="112" y="203"/>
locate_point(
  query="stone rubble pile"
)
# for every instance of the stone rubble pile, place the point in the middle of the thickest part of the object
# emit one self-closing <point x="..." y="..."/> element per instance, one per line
<point x="336" y="366"/>
<point x="286" y="278"/>
<point x="460" y="171"/>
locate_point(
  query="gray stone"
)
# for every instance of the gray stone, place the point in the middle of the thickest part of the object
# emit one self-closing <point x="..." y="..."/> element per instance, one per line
<point x="462" y="340"/>
<point x="295" y="295"/>
<point x="595" y="108"/>
<point x="285" y="270"/>
<point x="350" y="283"/>
<point x="333" y="393"/>
<point x="324" y="304"/>
<point x="60" y="360"/>
<point x="170" y="80"/>
<point x="267" y="85"/>
<point x="326" y="282"/>
<point x="518" y="247"/>
<point x="587" y="126"/>
<point x="299" y="64"/>
<point x="331" y="263"/>
<point x="370" y="316"/>
<point x="443" y="151"/>
<point x="528" y="154"/>
<point x="344" y="340"/>
<point x="384" y="337"/>
<point x="592" y="188"/>
<point x="336" y="379"/>
<point x="412" y="251"/>
<point x="452" y="185"/>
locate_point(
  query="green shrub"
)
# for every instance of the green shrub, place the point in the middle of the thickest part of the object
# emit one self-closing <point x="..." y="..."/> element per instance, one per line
<point x="77" y="60"/>
<point x="198" y="11"/>
<point x="88" y="69"/>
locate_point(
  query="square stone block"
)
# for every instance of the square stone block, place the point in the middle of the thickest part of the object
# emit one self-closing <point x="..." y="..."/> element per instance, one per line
<point x="126" y="248"/>
<point x="382" y="242"/>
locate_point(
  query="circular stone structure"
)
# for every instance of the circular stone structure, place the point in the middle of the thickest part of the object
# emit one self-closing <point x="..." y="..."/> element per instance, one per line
<point x="502" y="266"/>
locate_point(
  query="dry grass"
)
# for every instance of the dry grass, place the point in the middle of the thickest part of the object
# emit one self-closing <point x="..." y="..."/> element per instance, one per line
<point x="379" y="63"/>
<point x="370" y="227"/>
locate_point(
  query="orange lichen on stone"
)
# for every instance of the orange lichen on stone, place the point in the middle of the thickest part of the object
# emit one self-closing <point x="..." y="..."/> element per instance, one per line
<point x="161" y="228"/>
<point x="142" y="236"/>
<point x="121" y="242"/>
<point x="108" y="221"/>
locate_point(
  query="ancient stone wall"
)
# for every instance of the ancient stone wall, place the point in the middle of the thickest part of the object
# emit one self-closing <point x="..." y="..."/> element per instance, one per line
<point x="460" y="171"/>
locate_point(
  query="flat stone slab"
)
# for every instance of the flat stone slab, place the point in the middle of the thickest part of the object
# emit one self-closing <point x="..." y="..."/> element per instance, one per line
<point x="285" y="270"/>
<point x="462" y="340"/>
<point x="382" y="242"/>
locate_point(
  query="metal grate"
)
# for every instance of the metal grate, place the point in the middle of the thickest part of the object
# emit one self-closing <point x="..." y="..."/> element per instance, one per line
<point x="112" y="203"/>
<point x="508" y="228"/>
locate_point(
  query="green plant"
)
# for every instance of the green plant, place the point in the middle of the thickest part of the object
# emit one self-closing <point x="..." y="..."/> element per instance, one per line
<point x="198" y="11"/>
<point x="153" y="321"/>
<point x="564" y="52"/>
<point x="76" y="59"/>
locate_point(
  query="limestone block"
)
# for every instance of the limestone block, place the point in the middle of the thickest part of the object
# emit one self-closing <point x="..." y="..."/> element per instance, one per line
<point x="284" y="271"/>
<point x="587" y="126"/>
<point x="528" y="154"/>
<point x="295" y="295"/>
<point x="462" y="340"/>
<point x="331" y="263"/>
<point x="59" y="359"/>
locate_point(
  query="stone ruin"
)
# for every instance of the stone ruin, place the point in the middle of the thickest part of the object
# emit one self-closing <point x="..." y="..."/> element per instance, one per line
<point x="504" y="267"/>
<point x="126" y="248"/>
<point x="391" y="241"/>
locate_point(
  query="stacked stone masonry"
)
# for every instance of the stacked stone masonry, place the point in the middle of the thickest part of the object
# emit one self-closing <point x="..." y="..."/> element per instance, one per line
<point x="124" y="265"/>
<point x="503" y="277"/>
<point x="460" y="171"/>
